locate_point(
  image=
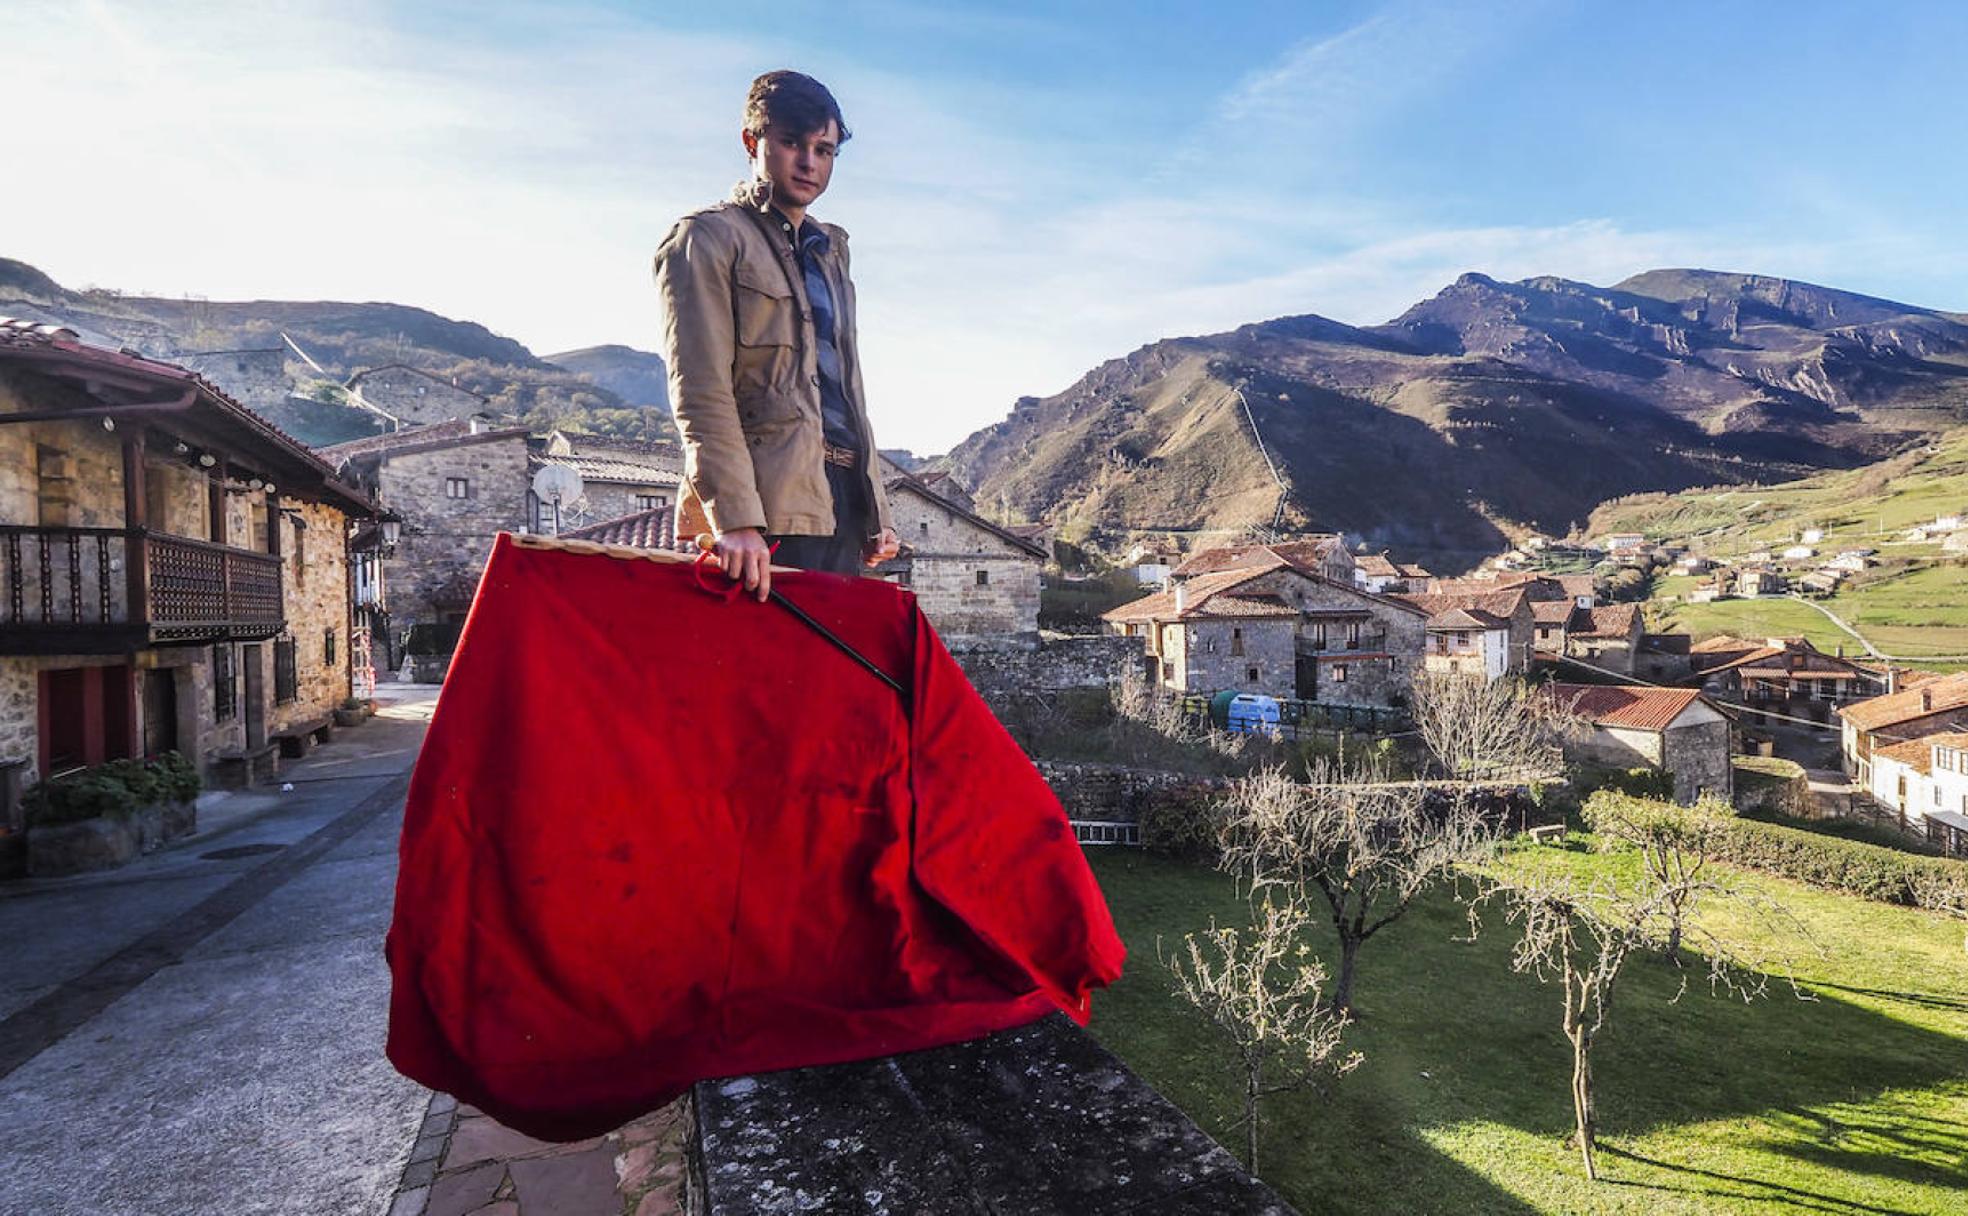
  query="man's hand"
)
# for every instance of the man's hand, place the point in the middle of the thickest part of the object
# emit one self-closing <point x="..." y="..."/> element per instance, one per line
<point x="746" y="558"/>
<point x="881" y="548"/>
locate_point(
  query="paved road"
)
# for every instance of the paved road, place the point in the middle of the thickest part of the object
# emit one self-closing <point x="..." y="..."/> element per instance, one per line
<point x="202" y="1031"/>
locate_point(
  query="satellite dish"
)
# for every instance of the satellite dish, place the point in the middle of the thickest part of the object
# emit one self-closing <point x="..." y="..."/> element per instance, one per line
<point x="556" y="484"/>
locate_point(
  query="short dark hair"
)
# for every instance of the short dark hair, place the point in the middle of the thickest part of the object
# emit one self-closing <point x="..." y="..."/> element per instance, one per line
<point x="793" y="102"/>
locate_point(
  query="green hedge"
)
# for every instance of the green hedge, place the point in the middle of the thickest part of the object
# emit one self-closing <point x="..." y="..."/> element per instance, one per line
<point x="1866" y="870"/>
<point x="117" y="788"/>
<point x="1641" y="782"/>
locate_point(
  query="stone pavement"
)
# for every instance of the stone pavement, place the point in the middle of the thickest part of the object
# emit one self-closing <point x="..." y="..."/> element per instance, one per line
<point x="465" y="1163"/>
<point x="202" y="1030"/>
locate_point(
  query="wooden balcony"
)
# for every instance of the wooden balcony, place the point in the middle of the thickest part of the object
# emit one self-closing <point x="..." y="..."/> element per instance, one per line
<point x="115" y="590"/>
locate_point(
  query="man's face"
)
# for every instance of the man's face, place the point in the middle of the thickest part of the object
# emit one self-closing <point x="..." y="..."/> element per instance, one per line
<point x="798" y="166"/>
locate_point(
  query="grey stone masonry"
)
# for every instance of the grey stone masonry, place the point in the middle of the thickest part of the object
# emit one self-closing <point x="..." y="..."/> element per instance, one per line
<point x="1040" y="1119"/>
<point x="454" y="500"/>
<point x="413" y="396"/>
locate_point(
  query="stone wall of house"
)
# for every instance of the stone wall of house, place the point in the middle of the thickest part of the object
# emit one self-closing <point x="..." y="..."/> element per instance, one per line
<point x="1174" y="654"/>
<point x="83" y="486"/>
<point x="19" y="723"/>
<point x="179" y="498"/>
<point x="1223" y="653"/>
<point x="1380" y="668"/>
<point x="1613" y="654"/>
<point x="314" y="576"/>
<point x="612" y="500"/>
<point x="1080" y="661"/>
<point x="967" y="612"/>
<point x="949" y="553"/>
<point x="255" y="378"/>
<point x="446" y="540"/>
<point x="416" y="398"/>
<point x="1699" y="758"/>
<point x="1616" y="747"/>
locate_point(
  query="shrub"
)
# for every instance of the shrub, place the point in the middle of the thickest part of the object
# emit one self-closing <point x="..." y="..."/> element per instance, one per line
<point x="114" y="789"/>
<point x="1642" y="782"/>
<point x="1183" y="822"/>
<point x="1848" y="866"/>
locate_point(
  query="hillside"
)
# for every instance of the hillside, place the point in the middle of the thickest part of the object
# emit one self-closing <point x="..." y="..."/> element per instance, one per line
<point x="341" y="338"/>
<point x="1487" y="410"/>
<point x="636" y="376"/>
<point x="1914" y="602"/>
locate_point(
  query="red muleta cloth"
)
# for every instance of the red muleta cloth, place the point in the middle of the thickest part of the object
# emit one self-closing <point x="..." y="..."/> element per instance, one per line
<point x="654" y="837"/>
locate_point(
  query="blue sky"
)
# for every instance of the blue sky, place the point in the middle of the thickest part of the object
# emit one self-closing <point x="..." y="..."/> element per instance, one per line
<point x="1031" y="188"/>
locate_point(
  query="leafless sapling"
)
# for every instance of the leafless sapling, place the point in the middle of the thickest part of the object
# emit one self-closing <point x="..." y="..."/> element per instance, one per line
<point x="1364" y="845"/>
<point x="1484" y="730"/>
<point x="1262" y="988"/>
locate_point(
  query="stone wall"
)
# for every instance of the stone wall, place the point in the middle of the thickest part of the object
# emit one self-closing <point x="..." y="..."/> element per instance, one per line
<point x="415" y="397"/>
<point x="1699" y="758"/>
<point x="1615" y="747"/>
<point x="315" y="575"/>
<point x="446" y="540"/>
<point x="1113" y="793"/>
<point x="1080" y="661"/>
<point x="83" y="463"/>
<point x="612" y="500"/>
<point x="1223" y="653"/>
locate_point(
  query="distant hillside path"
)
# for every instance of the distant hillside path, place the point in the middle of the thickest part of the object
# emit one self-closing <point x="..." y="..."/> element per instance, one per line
<point x="1874" y="651"/>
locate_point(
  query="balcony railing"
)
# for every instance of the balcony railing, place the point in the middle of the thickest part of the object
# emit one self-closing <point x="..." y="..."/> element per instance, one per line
<point x="70" y="590"/>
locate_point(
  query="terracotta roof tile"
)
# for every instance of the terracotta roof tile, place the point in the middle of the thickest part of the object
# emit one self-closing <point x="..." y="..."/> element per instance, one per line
<point x="653" y="529"/>
<point x="1552" y="612"/>
<point x="609" y="468"/>
<point x="1635" y="706"/>
<point x="1916" y="754"/>
<point x="1930" y="697"/>
<point x="1612" y="621"/>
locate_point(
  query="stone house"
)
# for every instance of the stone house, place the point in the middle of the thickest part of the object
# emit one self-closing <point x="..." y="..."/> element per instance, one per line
<point x="1334" y="644"/>
<point x="176" y="569"/>
<point x="1468" y="642"/>
<point x="619" y="477"/>
<point x="1676" y="730"/>
<point x="1606" y="637"/>
<point x="977" y="582"/>
<point x="1378" y="573"/>
<point x="455" y="485"/>
<point x="1757" y="581"/>
<point x="1929" y="707"/>
<point x="1324" y="555"/>
<point x="413" y="396"/>
<point x="1512" y="605"/>
<point x="1786" y="676"/>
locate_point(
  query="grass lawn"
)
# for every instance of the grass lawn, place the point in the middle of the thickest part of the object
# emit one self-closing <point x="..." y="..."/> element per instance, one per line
<point x="1856" y="1101"/>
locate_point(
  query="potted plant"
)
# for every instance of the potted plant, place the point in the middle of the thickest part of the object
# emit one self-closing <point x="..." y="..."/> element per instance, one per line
<point x="353" y="711"/>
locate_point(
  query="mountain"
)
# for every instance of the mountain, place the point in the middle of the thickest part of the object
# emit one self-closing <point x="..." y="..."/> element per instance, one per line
<point x="1488" y="410"/>
<point x="636" y="376"/>
<point x="340" y="338"/>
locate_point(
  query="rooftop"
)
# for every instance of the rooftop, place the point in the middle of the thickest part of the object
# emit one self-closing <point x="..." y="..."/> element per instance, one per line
<point x="1633" y="706"/>
<point x="653" y="529"/>
<point x="1931" y="697"/>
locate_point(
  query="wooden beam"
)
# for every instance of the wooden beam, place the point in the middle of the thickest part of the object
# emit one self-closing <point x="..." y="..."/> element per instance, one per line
<point x="136" y="556"/>
<point x="183" y="401"/>
<point x="215" y="500"/>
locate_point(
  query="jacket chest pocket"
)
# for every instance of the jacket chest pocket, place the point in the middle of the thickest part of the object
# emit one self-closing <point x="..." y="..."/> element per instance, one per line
<point x="767" y="311"/>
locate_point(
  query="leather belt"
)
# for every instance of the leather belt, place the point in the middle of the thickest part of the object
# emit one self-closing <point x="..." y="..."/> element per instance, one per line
<point x="835" y="454"/>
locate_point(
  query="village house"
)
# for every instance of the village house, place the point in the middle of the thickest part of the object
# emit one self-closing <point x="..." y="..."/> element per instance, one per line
<point x="1752" y="582"/>
<point x="1676" y="730"/>
<point x="412" y="396"/>
<point x="1799" y="553"/>
<point x="1853" y="561"/>
<point x="1324" y="555"/>
<point x="1511" y="605"/>
<point x="1467" y="642"/>
<point x="1787" y="676"/>
<point x="1929" y="707"/>
<point x="651" y="529"/>
<point x="1607" y="637"/>
<point x="1378" y="573"/>
<point x="977" y="582"/>
<point x="618" y="477"/>
<point x="1332" y="643"/>
<point x="455" y="485"/>
<point x="176" y="569"/>
<point x="1925" y="782"/>
<point x="1623" y="542"/>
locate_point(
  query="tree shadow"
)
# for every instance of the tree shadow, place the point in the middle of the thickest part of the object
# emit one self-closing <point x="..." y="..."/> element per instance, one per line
<point x="1929" y="1000"/>
<point x="1764" y="1192"/>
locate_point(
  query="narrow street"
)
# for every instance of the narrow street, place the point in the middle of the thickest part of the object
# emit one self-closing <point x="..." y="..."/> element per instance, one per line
<point x="202" y="1030"/>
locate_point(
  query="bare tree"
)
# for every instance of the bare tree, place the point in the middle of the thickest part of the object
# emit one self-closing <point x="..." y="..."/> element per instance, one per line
<point x="1675" y="844"/>
<point x="1480" y="729"/>
<point x="1262" y="989"/>
<point x="1365" y="845"/>
<point x="1582" y="932"/>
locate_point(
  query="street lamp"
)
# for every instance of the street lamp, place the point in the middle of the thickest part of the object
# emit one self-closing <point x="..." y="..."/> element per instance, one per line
<point x="392" y="524"/>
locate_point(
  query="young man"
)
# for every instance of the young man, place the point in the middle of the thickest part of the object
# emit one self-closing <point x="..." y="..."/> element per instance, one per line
<point x="765" y="371"/>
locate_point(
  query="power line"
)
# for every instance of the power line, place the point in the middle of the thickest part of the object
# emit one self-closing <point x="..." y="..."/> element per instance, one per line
<point x="1752" y="709"/>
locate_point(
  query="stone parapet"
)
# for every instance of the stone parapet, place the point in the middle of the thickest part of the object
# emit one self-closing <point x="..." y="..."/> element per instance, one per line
<point x="1034" y="1120"/>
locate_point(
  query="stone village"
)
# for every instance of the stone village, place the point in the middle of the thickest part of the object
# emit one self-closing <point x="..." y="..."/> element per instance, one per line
<point x="181" y="576"/>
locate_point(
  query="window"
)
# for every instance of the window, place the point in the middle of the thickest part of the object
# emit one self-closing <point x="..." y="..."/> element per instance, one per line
<point x="225" y="699"/>
<point x="457" y="487"/>
<point x="925" y="527"/>
<point x="983" y="578"/>
<point x="1319" y="636"/>
<point x="1353" y="635"/>
<point x="1250" y="673"/>
<point x="650" y="502"/>
<point x="283" y="671"/>
<point x="1338" y="673"/>
<point x="328" y="648"/>
<point x="1236" y="641"/>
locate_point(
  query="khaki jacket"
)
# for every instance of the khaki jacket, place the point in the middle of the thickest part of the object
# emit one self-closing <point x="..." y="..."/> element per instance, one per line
<point x="745" y="375"/>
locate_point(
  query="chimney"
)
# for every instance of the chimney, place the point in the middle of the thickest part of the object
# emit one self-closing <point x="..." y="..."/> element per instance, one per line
<point x="1181" y="598"/>
<point x="1926" y="700"/>
<point x="1841" y="650"/>
<point x="1892" y="679"/>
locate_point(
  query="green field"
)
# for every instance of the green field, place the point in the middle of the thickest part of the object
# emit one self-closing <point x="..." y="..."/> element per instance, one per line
<point x="1855" y="1101"/>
